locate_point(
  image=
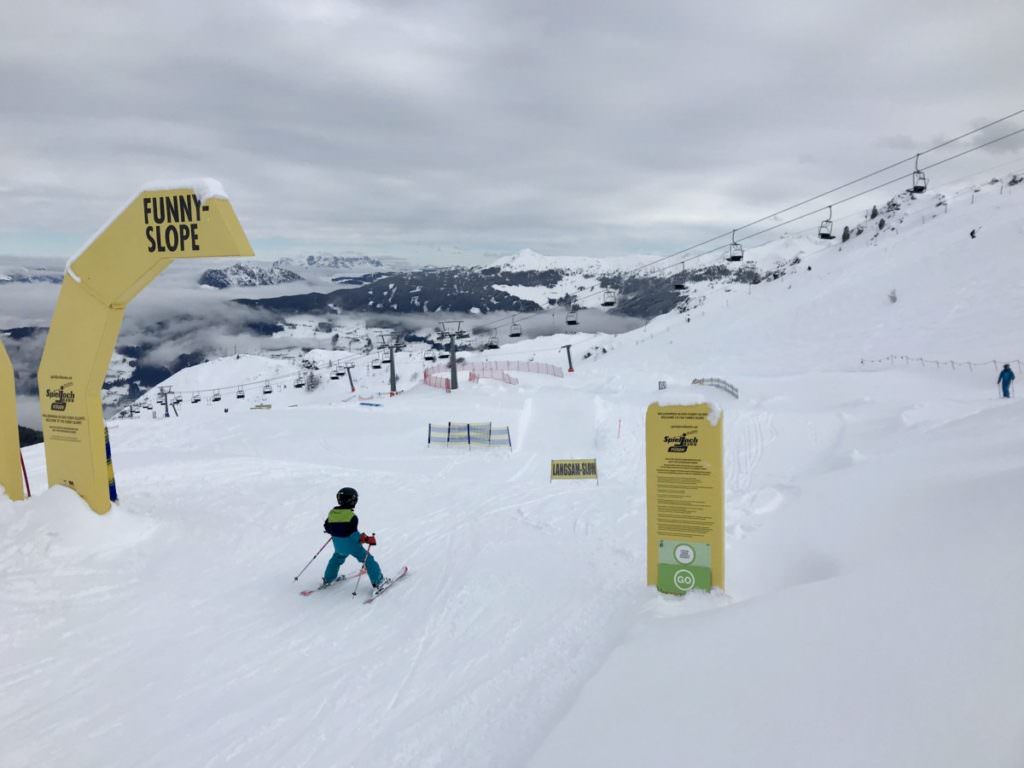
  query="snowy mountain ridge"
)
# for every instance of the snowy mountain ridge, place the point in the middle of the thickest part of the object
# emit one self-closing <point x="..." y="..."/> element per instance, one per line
<point x="241" y="275"/>
<point x="325" y="260"/>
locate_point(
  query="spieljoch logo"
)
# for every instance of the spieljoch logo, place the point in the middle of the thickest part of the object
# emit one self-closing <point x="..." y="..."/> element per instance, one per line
<point x="680" y="443"/>
<point x="60" y="398"/>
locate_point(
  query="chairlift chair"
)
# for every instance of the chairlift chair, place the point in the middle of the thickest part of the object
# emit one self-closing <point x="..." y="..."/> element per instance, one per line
<point x="300" y="381"/>
<point x="267" y="389"/>
<point x="443" y="354"/>
<point x="515" y="331"/>
<point x="335" y="374"/>
<point x="240" y="394"/>
<point x="825" y="228"/>
<point x="196" y="398"/>
<point x="216" y="396"/>
<point x="430" y="356"/>
<point x="735" y="252"/>
<point x="679" y="282"/>
<point x="176" y="400"/>
<point x="375" y="363"/>
<point x="492" y="342"/>
<point x="918" y="181"/>
<point x="608" y="300"/>
<point x="571" y="318"/>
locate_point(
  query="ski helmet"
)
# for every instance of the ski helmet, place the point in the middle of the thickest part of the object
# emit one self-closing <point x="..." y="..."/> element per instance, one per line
<point x="347" y="497"/>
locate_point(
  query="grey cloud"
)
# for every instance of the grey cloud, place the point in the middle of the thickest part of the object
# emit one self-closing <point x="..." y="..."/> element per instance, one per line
<point x="406" y="126"/>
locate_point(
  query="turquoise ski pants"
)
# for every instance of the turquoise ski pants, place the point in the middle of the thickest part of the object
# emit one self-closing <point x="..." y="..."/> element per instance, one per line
<point x="350" y="546"/>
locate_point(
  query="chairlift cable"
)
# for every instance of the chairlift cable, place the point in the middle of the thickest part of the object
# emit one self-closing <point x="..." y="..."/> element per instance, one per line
<point x="652" y="264"/>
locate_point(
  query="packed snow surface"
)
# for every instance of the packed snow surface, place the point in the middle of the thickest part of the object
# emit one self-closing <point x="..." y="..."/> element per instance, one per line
<point x="871" y="617"/>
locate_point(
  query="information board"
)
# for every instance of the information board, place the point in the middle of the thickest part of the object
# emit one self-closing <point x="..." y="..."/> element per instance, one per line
<point x="685" y="498"/>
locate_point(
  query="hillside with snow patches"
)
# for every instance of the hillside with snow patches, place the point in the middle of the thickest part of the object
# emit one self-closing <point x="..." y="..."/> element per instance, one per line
<point x="871" y="615"/>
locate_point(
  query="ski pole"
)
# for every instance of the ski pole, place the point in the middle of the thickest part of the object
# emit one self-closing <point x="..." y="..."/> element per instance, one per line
<point x="363" y="569"/>
<point x="311" y="561"/>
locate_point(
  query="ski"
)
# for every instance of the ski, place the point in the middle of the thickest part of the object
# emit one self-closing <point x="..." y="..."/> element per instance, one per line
<point x="378" y="592"/>
<point x="341" y="578"/>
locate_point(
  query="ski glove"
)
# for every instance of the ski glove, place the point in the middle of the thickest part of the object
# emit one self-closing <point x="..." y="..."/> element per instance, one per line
<point x="364" y="539"/>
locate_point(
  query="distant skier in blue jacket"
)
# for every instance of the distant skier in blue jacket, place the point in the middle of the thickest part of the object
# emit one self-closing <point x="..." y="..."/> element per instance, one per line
<point x="1005" y="377"/>
<point x="343" y="526"/>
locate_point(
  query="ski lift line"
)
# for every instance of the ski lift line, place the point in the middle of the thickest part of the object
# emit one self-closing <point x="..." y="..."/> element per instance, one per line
<point x="886" y="184"/>
<point x="986" y="171"/>
<point x="264" y="379"/>
<point x="915" y="157"/>
<point x="851" y="183"/>
<point x="676" y="265"/>
<point x="844" y="200"/>
<point x="896" y="180"/>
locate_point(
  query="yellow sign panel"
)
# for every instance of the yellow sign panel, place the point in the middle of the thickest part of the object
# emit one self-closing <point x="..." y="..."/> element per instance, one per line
<point x="10" y="450"/>
<point x="685" y="498"/>
<point x="162" y="223"/>
<point x="574" y="469"/>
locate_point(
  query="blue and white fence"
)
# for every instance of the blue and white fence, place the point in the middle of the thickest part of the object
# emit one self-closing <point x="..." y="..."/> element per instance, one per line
<point x="466" y="433"/>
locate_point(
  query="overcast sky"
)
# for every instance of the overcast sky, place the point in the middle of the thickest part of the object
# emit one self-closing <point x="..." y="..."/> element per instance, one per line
<point x="439" y="130"/>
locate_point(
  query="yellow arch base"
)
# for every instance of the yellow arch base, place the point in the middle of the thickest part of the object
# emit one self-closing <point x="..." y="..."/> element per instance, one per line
<point x="10" y="450"/>
<point x="156" y="227"/>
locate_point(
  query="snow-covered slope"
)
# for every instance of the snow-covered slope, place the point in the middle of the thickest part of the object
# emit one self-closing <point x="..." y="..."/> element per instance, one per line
<point x="870" y="616"/>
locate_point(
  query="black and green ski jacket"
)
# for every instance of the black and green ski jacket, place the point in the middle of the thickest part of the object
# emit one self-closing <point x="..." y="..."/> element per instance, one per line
<point x="341" y="522"/>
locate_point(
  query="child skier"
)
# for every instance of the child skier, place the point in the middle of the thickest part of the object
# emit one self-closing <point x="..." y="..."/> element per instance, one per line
<point x="1005" y="377"/>
<point x="343" y="526"/>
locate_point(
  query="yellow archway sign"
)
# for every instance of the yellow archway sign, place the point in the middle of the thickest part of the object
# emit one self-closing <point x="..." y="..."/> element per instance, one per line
<point x="10" y="448"/>
<point x="162" y="223"/>
<point x="685" y="498"/>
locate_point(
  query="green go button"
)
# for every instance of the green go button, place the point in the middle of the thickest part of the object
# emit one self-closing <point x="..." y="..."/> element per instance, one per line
<point x="680" y="579"/>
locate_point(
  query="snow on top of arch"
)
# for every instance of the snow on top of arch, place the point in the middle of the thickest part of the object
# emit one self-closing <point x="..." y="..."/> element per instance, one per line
<point x="203" y="187"/>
